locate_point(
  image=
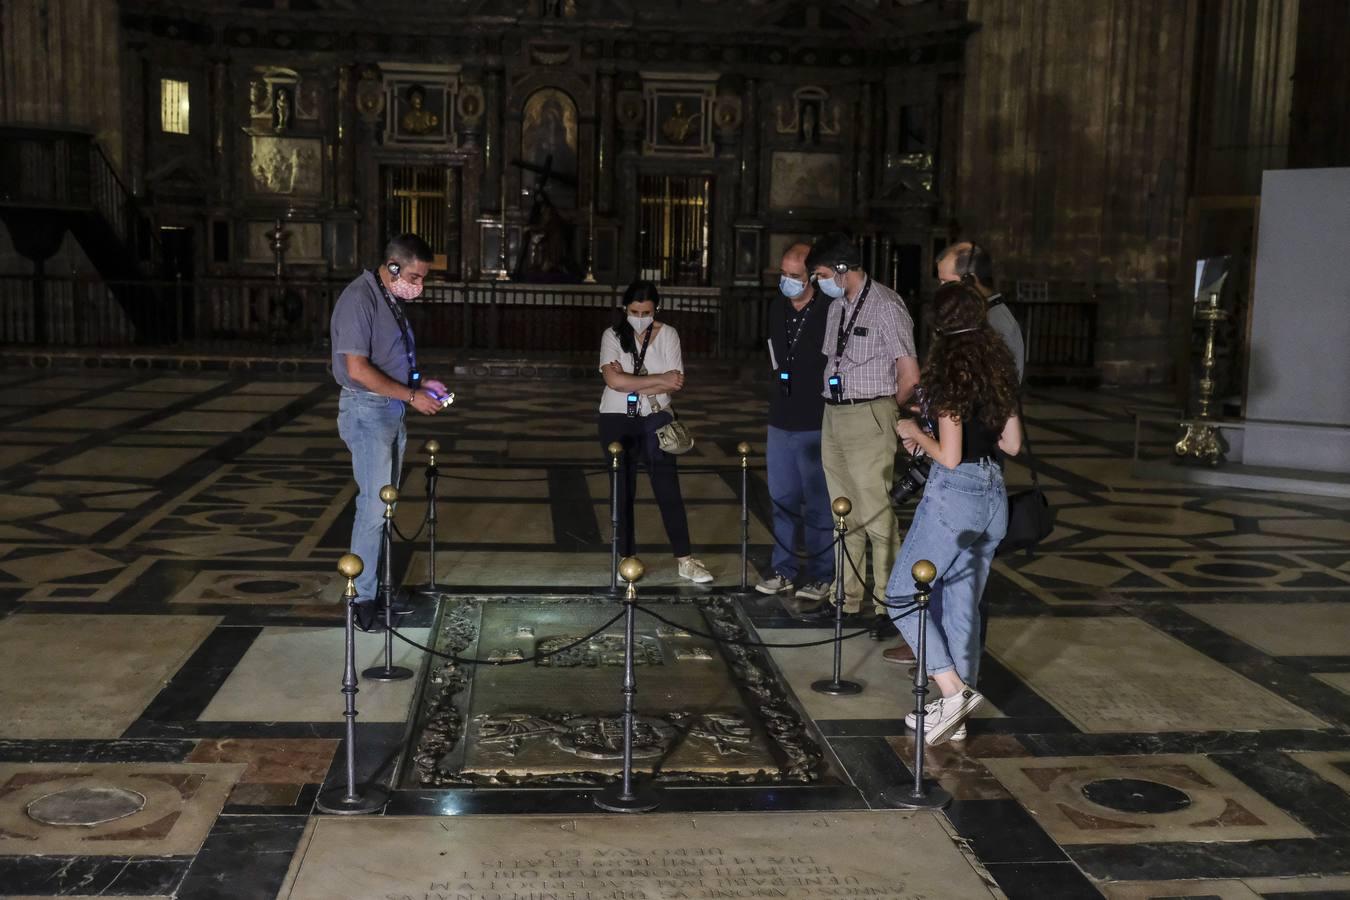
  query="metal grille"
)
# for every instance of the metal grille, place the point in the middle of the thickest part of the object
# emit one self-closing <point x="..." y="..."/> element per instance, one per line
<point x="423" y="200"/>
<point x="676" y="223"/>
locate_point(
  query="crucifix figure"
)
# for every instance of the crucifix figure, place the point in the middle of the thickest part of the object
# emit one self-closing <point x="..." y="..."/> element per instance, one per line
<point x="546" y="245"/>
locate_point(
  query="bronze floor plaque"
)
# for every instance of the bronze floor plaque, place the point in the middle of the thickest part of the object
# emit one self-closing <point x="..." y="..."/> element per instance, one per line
<point x="547" y="708"/>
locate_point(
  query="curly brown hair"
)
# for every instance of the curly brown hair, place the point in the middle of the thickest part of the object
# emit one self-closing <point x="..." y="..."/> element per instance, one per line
<point x="970" y="370"/>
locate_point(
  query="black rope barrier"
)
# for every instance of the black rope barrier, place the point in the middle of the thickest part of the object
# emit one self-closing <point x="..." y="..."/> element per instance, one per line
<point x="721" y="639"/>
<point x="471" y="661"/>
<point x="744" y="643"/>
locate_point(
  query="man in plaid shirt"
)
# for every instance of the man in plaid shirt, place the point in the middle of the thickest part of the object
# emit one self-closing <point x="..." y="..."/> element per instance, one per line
<point x="870" y="373"/>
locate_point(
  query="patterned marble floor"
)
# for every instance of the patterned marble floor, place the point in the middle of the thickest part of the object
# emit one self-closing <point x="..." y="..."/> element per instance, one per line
<point x="1167" y="680"/>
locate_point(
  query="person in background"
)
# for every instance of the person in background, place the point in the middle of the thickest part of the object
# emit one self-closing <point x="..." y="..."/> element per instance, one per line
<point x="870" y="373"/>
<point x="969" y="386"/>
<point x="796" y="477"/>
<point x="642" y="365"/>
<point x="375" y="363"/>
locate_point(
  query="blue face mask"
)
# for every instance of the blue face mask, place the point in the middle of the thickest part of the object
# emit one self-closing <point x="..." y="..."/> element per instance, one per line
<point x="791" y="287"/>
<point x="830" y="288"/>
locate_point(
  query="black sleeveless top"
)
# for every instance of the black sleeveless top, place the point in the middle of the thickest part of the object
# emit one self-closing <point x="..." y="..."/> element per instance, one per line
<point x="977" y="440"/>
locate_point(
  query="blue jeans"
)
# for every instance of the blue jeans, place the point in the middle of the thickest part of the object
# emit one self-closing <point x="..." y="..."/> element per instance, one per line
<point x="372" y="428"/>
<point x="800" y="500"/>
<point x="957" y="527"/>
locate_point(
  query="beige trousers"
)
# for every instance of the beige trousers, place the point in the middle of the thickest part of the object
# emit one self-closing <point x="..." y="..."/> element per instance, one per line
<point x="857" y="448"/>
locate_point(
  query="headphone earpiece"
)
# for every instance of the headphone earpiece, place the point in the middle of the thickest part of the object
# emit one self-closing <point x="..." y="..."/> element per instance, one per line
<point x="841" y="267"/>
<point x="968" y="276"/>
<point x="393" y="268"/>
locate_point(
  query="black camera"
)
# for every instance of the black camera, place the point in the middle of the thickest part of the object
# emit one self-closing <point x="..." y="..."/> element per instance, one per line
<point x="911" y="481"/>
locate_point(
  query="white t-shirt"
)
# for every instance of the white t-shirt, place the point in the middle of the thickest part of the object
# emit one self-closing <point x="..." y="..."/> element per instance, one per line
<point x="663" y="355"/>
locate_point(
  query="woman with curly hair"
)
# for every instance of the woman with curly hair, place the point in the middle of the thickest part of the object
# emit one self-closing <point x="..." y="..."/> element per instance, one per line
<point x="969" y="391"/>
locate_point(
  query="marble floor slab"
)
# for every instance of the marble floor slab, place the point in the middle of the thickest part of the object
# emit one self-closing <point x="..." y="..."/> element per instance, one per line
<point x="1141" y="799"/>
<point x="1338" y="680"/>
<point x="87" y="676"/>
<point x="123" y="462"/>
<point x="498" y="523"/>
<point x="1282" y="629"/>
<point x="1121" y="674"/>
<point x="899" y="856"/>
<point x="168" y="807"/>
<point x="888" y="688"/>
<point x="294" y="674"/>
<point x="1333" y="765"/>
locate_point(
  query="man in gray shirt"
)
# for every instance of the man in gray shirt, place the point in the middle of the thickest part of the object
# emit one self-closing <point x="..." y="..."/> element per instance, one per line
<point x="375" y="362"/>
<point x="967" y="258"/>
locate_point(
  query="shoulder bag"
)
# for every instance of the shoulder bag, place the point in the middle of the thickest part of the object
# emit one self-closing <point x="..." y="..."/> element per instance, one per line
<point x="1031" y="518"/>
<point x="671" y="434"/>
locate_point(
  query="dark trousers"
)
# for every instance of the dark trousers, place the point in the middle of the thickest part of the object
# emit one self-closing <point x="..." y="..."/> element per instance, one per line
<point x="641" y="447"/>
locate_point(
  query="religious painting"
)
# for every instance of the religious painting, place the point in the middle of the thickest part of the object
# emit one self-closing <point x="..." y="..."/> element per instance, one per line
<point x="747" y="265"/>
<point x="548" y="140"/>
<point x="287" y="166"/>
<point x="805" y="180"/>
<point x="679" y="115"/>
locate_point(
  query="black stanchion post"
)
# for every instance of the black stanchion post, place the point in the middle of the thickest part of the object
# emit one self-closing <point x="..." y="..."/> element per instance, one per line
<point x="836" y="685"/>
<point x="615" y="451"/>
<point x="433" y="474"/>
<point x="921" y="796"/>
<point x="387" y="592"/>
<point x="628" y="796"/>
<point x="350" y="798"/>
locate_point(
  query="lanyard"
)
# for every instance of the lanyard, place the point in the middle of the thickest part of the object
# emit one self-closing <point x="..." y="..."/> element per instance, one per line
<point x="402" y="322"/>
<point x="846" y="331"/>
<point x="641" y="356"/>
<point x="794" y="331"/>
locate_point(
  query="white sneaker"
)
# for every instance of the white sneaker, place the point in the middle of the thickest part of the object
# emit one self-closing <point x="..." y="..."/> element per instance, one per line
<point x="814" y="590"/>
<point x="695" y="571"/>
<point x="774" y="584"/>
<point x="929" y="711"/>
<point x="950" y="713"/>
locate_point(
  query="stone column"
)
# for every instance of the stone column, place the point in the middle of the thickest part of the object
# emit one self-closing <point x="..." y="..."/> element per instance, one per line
<point x="604" y="168"/>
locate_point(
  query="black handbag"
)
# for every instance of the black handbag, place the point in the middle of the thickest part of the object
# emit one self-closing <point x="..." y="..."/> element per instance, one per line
<point x="1031" y="518"/>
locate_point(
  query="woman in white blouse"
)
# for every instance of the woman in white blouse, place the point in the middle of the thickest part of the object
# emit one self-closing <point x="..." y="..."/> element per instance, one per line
<point x="641" y="362"/>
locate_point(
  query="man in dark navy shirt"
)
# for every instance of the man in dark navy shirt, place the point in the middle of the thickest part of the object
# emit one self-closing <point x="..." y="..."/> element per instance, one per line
<point x="801" y="502"/>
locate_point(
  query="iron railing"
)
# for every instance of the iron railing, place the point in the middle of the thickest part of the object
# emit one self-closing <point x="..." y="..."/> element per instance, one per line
<point x="222" y="312"/>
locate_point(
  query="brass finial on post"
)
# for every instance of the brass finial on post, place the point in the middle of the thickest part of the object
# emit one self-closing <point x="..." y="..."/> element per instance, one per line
<point x="743" y="449"/>
<point x="351" y="567"/>
<point x="920" y="795"/>
<point x="349" y="798"/>
<point x="836" y="685"/>
<point x="432" y="447"/>
<point x="632" y="570"/>
<point x="615" y="451"/>
<point x="627" y="796"/>
<point x="389" y="496"/>
<point x="386" y="591"/>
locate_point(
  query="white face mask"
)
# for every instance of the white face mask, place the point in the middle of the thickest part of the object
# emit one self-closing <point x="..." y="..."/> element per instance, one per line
<point x="640" y="323"/>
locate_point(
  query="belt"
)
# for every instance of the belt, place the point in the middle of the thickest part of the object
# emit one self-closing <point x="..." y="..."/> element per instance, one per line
<point x="832" y="402"/>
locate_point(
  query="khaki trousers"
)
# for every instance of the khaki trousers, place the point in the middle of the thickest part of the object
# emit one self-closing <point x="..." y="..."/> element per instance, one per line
<point x="857" y="449"/>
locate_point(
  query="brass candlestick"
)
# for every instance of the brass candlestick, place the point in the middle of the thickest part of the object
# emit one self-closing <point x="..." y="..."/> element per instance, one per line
<point x="1202" y="440"/>
<point x="590" y="248"/>
<point x="504" y="274"/>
